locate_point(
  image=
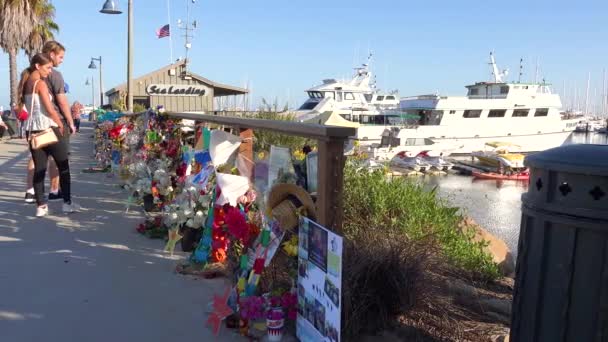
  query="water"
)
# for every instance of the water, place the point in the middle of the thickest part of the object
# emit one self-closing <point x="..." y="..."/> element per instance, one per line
<point x="495" y="204"/>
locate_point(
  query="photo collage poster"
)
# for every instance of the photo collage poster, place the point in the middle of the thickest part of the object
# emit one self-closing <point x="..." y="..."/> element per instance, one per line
<point x="319" y="283"/>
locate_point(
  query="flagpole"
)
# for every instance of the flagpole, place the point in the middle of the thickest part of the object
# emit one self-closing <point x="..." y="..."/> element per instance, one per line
<point x="170" y="33"/>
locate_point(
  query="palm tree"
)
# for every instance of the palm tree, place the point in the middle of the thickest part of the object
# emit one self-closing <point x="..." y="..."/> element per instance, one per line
<point x="17" y="21"/>
<point x="43" y="31"/>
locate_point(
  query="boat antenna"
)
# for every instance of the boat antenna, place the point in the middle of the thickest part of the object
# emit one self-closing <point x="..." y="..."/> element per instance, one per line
<point x="521" y="69"/>
<point x="188" y="28"/>
<point x="495" y="73"/>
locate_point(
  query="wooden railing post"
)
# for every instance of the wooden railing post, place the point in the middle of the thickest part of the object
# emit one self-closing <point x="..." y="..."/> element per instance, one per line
<point x="330" y="183"/>
<point x="246" y="150"/>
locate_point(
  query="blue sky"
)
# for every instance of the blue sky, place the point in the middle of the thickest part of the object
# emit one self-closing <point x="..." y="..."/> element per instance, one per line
<point x="283" y="47"/>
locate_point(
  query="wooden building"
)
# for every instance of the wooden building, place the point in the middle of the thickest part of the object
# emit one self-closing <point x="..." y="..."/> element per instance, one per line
<point x="176" y="89"/>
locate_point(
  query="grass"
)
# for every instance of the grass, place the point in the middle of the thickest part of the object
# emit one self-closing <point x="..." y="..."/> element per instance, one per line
<point x="374" y="203"/>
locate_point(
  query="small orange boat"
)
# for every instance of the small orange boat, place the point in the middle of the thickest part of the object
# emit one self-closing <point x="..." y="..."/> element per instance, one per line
<point x="521" y="176"/>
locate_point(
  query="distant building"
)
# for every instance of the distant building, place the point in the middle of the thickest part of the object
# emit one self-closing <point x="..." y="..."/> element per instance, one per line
<point x="175" y="89"/>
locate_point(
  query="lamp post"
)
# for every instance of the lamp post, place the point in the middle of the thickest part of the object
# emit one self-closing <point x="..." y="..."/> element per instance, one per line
<point x="92" y="83"/>
<point x="93" y="66"/>
<point x="110" y="7"/>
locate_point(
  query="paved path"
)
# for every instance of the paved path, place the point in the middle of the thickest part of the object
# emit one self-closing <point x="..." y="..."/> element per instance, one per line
<point x="89" y="276"/>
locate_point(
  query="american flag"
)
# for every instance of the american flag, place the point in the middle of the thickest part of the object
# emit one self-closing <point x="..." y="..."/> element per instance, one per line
<point x="163" y="31"/>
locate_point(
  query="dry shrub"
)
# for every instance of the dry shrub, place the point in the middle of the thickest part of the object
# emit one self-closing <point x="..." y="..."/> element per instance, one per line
<point x="383" y="277"/>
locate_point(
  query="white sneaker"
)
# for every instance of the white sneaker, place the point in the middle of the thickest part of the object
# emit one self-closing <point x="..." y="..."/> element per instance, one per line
<point x="71" y="208"/>
<point x="42" y="211"/>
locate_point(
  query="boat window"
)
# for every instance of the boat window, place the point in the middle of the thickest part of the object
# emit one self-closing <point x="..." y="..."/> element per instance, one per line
<point x="308" y="105"/>
<point x="516" y="87"/>
<point x="349" y="96"/>
<point x="329" y="94"/>
<point x="380" y="98"/>
<point x="497" y="113"/>
<point x="520" y="113"/>
<point x="452" y="112"/>
<point x="390" y="97"/>
<point x="472" y="113"/>
<point x="339" y="96"/>
<point x="345" y="116"/>
<point x="524" y="87"/>
<point x="541" y="112"/>
<point x="504" y="89"/>
<point x="474" y="91"/>
<point x="315" y="94"/>
<point x="368" y="97"/>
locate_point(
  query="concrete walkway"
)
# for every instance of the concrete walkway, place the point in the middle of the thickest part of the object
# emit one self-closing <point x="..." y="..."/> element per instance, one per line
<point x="90" y="276"/>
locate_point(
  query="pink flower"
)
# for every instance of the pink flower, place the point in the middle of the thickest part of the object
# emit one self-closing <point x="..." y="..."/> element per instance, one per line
<point x="292" y="314"/>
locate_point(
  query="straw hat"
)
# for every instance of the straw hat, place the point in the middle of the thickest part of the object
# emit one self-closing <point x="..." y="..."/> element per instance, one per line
<point x="285" y="200"/>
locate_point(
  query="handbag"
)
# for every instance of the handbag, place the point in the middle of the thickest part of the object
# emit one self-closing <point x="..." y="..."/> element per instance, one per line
<point x="43" y="138"/>
<point x="22" y="115"/>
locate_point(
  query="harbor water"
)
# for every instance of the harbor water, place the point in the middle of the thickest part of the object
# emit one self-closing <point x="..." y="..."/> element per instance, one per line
<point x="494" y="204"/>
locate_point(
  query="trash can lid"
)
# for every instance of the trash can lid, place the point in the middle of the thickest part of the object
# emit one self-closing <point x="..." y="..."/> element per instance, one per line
<point x="580" y="158"/>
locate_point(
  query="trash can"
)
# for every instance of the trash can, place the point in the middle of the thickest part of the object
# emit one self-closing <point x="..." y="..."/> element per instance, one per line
<point x="561" y="284"/>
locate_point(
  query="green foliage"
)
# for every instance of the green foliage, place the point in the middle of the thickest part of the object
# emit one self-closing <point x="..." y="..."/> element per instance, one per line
<point x="264" y="139"/>
<point x="119" y="105"/>
<point x="138" y="108"/>
<point x="374" y="202"/>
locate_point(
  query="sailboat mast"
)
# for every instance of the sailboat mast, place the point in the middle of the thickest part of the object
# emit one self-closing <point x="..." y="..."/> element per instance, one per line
<point x="587" y="94"/>
<point x="603" y="96"/>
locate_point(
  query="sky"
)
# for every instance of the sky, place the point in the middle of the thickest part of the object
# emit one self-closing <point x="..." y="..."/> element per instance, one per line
<point x="280" y="48"/>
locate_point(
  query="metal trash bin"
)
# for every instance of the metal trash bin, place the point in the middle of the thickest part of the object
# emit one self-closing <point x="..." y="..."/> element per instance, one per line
<point x="561" y="284"/>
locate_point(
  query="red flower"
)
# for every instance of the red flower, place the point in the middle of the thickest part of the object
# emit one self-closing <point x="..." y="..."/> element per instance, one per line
<point x="237" y="224"/>
<point x="181" y="170"/>
<point x="141" y="228"/>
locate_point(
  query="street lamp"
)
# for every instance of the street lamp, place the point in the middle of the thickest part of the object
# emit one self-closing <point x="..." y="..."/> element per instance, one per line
<point x="93" y="66"/>
<point x="110" y="7"/>
<point x="92" y="83"/>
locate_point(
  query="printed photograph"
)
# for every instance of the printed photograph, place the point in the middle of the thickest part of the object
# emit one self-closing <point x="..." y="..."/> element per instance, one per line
<point x="332" y="292"/>
<point x="319" y="317"/>
<point x="309" y="308"/>
<point x="332" y="332"/>
<point x="317" y="252"/>
<point x="303" y="239"/>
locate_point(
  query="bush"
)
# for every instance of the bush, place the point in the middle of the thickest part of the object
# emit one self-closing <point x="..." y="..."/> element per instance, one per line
<point x="373" y="202"/>
<point x="382" y="278"/>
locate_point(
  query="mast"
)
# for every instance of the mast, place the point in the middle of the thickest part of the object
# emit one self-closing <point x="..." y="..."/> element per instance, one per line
<point x="521" y="69"/>
<point x="536" y="72"/>
<point x="603" y="96"/>
<point x="587" y="94"/>
<point x="170" y="33"/>
<point x="495" y="73"/>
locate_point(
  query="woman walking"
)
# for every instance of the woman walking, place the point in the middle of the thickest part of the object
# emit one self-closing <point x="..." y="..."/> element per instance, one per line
<point x="76" y="111"/>
<point x="34" y="94"/>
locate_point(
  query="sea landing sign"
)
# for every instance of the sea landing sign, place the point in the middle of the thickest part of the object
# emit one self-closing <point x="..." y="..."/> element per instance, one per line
<point x="176" y="90"/>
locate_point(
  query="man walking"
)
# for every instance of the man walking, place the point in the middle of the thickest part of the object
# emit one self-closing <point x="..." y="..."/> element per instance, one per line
<point x="56" y="86"/>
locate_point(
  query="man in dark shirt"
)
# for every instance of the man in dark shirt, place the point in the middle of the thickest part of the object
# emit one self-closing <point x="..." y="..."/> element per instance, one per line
<point x="56" y="86"/>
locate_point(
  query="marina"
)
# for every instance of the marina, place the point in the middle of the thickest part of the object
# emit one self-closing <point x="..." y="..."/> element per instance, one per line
<point x="494" y="204"/>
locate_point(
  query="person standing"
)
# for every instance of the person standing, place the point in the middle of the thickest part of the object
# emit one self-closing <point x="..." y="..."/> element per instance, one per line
<point x="35" y="96"/>
<point x="76" y="111"/>
<point x="56" y="86"/>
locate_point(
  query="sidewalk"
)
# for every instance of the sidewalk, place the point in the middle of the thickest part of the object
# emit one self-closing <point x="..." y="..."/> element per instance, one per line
<point x="90" y="276"/>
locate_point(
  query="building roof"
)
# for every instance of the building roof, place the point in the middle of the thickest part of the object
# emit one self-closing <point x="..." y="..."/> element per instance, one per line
<point x="219" y="88"/>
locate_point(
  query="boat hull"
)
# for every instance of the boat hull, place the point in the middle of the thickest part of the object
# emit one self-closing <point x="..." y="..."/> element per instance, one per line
<point x="498" y="176"/>
<point x="528" y="143"/>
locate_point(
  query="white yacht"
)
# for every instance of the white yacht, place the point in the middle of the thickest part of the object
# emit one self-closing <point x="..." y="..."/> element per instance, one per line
<point x="525" y="114"/>
<point x="356" y="100"/>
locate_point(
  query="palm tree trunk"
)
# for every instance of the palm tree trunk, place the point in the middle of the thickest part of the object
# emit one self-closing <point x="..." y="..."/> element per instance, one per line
<point x="12" y="60"/>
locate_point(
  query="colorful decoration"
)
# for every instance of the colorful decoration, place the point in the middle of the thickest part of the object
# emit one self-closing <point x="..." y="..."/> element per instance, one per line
<point x="220" y="311"/>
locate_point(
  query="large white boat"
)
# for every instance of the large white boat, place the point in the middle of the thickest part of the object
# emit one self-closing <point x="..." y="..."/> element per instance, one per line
<point x="355" y="100"/>
<point x="525" y="114"/>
